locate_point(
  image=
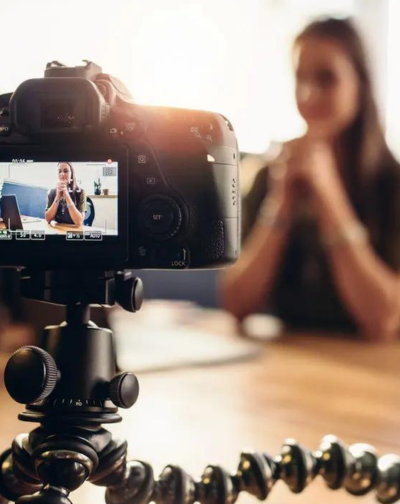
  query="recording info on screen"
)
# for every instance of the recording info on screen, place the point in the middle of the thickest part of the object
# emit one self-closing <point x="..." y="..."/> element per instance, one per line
<point x="63" y="200"/>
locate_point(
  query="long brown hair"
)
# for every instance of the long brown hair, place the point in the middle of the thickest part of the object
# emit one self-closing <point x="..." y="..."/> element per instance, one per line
<point x="364" y="144"/>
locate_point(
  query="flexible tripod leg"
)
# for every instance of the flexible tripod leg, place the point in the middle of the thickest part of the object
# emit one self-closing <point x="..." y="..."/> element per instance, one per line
<point x="17" y="479"/>
<point x="357" y="469"/>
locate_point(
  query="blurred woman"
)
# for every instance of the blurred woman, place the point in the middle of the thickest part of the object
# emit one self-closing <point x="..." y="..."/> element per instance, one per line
<point x="322" y="224"/>
<point x="66" y="203"/>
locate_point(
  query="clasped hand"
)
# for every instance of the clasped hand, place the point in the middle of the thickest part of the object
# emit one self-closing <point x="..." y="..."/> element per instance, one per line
<point x="62" y="191"/>
<point x="306" y="167"/>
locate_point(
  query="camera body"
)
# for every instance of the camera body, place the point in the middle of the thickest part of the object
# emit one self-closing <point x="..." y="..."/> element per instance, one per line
<point x="173" y="200"/>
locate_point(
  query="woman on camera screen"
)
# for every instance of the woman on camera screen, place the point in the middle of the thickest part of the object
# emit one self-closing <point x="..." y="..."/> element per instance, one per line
<point x="321" y="224"/>
<point x="66" y="203"/>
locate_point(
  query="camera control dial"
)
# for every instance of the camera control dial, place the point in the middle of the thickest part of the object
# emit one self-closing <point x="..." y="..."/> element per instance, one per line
<point x="160" y="216"/>
<point x="30" y="375"/>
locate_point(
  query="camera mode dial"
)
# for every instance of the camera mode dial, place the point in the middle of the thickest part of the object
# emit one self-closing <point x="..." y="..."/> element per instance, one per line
<point x="30" y="375"/>
<point x="160" y="216"/>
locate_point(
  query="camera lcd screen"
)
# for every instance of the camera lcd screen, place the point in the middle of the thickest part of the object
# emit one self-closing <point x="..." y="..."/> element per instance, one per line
<point x="59" y="200"/>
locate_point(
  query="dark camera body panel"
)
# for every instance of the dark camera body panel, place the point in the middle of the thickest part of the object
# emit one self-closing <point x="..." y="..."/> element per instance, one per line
<point x="178" y="203"/>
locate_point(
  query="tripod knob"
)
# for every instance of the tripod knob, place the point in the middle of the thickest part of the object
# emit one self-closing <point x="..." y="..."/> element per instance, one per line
<point x="124" y="390"/>
<point x="129" y="292"/>
<point x="30" y="375"/>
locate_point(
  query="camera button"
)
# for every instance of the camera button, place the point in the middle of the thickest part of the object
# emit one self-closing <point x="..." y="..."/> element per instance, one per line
<point x="5" y="130"/>
<point x="159" y="217"/>
<point x="173" y="257"/>
<point x="114" y="132"/>
<point x="151" y="181"/>
<point x="142" y="159"/>
<point x="132" y="127"/>
<point x="180" y="259"/>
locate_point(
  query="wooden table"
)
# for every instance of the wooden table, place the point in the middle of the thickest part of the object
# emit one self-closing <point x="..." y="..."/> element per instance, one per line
<point x="303" y="386"/>
<point x="36" y="224"/>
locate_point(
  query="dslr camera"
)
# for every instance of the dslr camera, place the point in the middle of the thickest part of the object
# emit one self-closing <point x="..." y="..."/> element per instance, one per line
<point x="89" y="179"/>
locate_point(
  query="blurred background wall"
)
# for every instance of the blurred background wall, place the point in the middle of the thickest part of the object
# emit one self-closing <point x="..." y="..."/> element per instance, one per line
<point x="229" y="57"/>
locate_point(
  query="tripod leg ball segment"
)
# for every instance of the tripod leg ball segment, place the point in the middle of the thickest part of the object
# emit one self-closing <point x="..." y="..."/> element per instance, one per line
<point x="72" y="402"/>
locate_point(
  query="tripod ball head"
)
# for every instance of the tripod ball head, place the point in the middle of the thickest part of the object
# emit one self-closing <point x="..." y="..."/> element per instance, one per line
<point x="30" y="375"/>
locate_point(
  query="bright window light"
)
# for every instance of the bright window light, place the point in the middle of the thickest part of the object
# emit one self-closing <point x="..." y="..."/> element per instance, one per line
<point x="393" y="79"/>
<point x="219" y="55"/>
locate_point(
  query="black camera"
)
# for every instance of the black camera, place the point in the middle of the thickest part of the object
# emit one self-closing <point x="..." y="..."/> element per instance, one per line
<point x="89" y="179"/>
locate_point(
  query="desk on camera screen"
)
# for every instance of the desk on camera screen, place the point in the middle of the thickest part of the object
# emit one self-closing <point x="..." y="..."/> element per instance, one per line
<point x="33" y="225"/>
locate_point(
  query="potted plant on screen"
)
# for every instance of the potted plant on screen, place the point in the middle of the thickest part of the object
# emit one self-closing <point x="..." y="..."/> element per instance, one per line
<point x="97" y="187"/>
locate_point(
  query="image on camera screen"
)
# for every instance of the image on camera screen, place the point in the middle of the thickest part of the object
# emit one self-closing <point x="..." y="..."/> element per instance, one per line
<point x="61" y="199"/>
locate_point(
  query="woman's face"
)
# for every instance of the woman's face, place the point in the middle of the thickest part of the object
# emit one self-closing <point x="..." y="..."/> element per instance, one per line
<point x="64" y="172"/>
<point x="327" y="87"/>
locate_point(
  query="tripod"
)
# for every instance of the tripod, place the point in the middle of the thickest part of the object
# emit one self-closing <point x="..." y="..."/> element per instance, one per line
<point x="71" y="389"/>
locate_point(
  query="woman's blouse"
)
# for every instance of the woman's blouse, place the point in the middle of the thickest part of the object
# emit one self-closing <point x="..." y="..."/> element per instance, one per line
<point x="63" y="216"/>
<point x="304" y="294"/>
